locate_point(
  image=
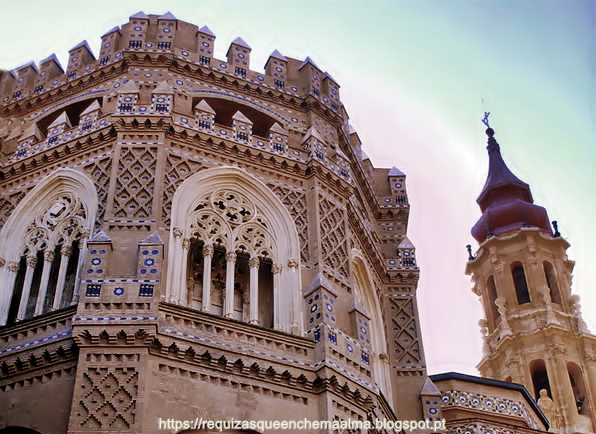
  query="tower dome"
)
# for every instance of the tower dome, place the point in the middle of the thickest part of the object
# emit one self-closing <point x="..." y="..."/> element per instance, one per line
<point x="505" y="201"/>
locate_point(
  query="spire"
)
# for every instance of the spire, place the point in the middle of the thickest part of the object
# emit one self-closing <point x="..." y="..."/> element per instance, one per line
<point x="505" y="200"/>
<point x="500" y="183"/>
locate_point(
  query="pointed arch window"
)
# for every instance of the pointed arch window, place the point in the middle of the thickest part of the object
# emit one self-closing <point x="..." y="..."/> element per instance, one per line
<point x="366" y="302"/>
<point x="231" y="247"/>
<point x="551" y="281"/>
<point x="520" y="283"/>
<point x="43" y="244"/>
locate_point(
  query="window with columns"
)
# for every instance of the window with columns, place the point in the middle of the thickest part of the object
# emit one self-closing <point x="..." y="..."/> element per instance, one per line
<point x="233" y="249"/>
<point x="42" y="246"/>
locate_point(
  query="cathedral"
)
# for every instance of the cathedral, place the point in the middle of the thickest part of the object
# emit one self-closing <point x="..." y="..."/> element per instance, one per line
<point x="185" y="241"/>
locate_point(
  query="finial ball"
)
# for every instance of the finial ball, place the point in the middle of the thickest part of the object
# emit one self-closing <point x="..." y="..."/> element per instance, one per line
<point x="490" y="132"/>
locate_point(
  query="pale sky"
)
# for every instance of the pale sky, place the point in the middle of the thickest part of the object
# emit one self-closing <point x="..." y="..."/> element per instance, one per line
<point x="413" y="75"/>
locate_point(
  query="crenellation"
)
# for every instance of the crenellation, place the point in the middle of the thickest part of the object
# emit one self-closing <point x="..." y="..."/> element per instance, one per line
<point x="110" y="44"/>
<point x="80" y="59"/>
<point x="212" y="199"/>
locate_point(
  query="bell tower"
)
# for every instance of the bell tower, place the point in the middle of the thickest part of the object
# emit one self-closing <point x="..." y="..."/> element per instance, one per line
<point x="533" y="330"/>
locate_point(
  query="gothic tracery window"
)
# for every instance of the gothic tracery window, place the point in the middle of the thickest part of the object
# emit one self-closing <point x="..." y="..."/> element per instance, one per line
<point x="49" y="261"/>
<point x="41" y="245"/>
<point x="232" y="246"/>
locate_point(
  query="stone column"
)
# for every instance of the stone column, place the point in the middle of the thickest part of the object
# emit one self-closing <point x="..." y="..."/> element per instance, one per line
<point x="184" y="298"/>
<point x="65" y="253"/>
<point x="276" y="269"/>
<point x="591" y="372"/>
<point x="31" y="263"/>
<point x="230" y="269"/>
<point x="11" y="275"/>
<point x="207" y="257"/>
<point x="48" y="258"/>
<point x="561" y="385"/>
<point x="292" y="281"/>
<point x="254" y="264"/>
<point x="176" y="277"/>
<point x="82" y="255"/>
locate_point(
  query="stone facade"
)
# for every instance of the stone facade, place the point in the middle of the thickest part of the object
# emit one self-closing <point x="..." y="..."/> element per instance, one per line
<point x="533" y="330"/>
<point x="184" y="237"/>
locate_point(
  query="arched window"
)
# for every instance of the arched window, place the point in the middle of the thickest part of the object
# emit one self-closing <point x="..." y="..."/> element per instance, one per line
<point x="492" y="300"/>
<point x="233" y="250"/>
<point x="365" y="295"/>
<point x="551" y="281"/>
<point x="43" y="244"/>
<point x="539" y="378"/>
<point x="577" y="385"/>
<point x="520" y="283"/>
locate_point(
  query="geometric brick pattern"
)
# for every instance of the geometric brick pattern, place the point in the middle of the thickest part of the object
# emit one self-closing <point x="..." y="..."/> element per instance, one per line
<point x="134" y="186"/>
<point x="100" y="171"/>
<point x="8" y="204"/>
<point x="109" y="398"/>
<point x="406" y="351"/>
<point x="295" y="203"/>
<point x="176" y="171"/>
<point x="333" y="237"/>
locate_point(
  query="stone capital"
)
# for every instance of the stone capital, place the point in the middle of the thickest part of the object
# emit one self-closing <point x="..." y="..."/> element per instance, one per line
<point x="13" y="267"/>
<point x="231" y="257"/>
<point x="48" y="256"/>
<point x="177" y="232"/>
<point x="31" y="261"/>
<point x="208" y="250"/>
<point x="276" y="268"/>
<point x="292" y="263"/>
<point x="2" y="262"/>
<point x="254" y="262"/>
<point x="185" y="243"/>
<point x="85" y="234"/>
<point x="66" y="251"/>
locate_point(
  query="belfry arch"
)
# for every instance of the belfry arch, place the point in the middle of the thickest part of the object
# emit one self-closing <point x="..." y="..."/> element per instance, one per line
<point x="227" y="210"/>
<point x="38" y="240"/>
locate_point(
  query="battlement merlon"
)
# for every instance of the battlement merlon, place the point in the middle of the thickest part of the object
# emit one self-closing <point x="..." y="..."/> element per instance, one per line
<point x="166" y="34"/>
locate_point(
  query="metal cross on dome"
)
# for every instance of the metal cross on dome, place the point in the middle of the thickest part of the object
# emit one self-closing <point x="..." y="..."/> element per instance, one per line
<point x="485" y="119"/>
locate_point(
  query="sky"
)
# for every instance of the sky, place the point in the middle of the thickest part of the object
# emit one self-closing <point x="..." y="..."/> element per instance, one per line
<point x="416" y="77"/>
